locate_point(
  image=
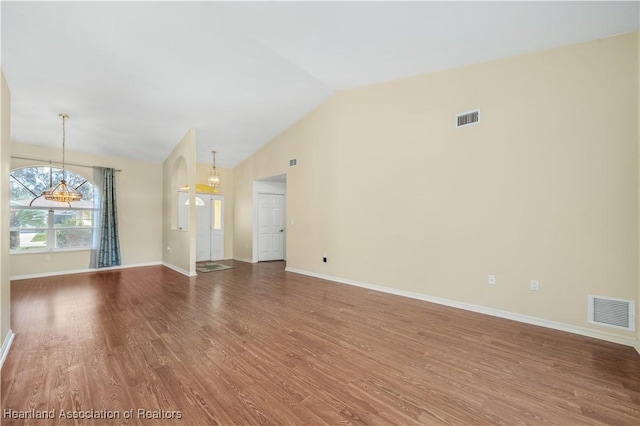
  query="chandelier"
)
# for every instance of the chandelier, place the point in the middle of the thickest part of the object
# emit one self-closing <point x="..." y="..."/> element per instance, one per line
<point x="61" y="192"/>
<point x="214" y="175"/>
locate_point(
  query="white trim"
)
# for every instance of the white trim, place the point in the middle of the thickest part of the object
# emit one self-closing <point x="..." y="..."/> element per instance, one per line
<point x="6" y="345"/>
<point x="244" y="259"/>
<point x="81" y="271"/>
<point x="178" y="269"/>
<point x="48" y="251"/>
<point x="602" y="335"/>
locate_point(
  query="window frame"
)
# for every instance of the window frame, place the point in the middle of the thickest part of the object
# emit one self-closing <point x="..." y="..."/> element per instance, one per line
<point x="52" y="210"/>
<point x="51" y="228"/>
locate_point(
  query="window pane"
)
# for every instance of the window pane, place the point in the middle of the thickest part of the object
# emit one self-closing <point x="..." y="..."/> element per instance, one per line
<point x="28" y="229"/>
<point x="34" y="178"/>
<point x="74" y="237"/>
<point x="74" y="228"/>
<point x="217" y="213"/>
<point x="28" y="239"/>
<point x="20" y="196"/>
<point x="28" y="183"/>
<point x="72" y="218"/>
<point x="28" y="218"/>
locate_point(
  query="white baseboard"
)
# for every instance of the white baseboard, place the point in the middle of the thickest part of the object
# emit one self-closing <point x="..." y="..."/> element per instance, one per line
<point x="6" y="345"/>
<point x="179" y="269"/>
<point x="80" y="271"/>
<point x="602" y="335"/>
<point x="242" y="259"/>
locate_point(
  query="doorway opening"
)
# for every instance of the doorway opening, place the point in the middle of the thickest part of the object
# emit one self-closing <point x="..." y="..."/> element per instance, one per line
<point x="209" y="227"/>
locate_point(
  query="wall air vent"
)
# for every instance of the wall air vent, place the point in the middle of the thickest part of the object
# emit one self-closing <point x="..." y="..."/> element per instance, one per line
<point x="293" y="162"/>
<point x="618" y="313"/>
<point x="468" y="118"/>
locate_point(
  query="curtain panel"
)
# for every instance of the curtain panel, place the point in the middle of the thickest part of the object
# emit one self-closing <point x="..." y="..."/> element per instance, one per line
<point x="106" y="243"/>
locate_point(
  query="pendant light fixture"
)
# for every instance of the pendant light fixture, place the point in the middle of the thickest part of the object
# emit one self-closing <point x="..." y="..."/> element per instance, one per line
<point x="214" y="175"/>
<point x="61" y="192"/>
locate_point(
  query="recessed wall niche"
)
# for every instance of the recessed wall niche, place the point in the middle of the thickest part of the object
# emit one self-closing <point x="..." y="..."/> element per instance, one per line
<point x="179" y="212"/>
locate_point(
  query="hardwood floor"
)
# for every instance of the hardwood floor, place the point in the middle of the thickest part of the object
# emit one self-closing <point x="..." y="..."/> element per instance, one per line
<point x="257" y="345"/>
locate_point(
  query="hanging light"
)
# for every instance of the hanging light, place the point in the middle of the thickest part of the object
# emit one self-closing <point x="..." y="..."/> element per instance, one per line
<point x="61" y="192"/>
<point x="214" y="176"/>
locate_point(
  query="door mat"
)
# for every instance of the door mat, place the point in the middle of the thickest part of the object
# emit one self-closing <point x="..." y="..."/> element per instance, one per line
<point x="212" y="266"/>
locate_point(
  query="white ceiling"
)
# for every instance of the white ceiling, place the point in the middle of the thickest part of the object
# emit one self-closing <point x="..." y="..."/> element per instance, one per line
<point x="135" y="76"/>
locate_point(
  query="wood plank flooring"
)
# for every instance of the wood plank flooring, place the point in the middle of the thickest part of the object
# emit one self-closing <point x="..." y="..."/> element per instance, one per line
<point x="255" y="345"/>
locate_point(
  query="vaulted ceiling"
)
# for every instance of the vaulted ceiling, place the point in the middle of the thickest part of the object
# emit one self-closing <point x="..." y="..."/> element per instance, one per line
<point x="135" y="76"/>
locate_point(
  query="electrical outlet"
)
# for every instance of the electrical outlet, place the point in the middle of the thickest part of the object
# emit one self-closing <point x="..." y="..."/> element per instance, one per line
<point x="492" y="279"/>
<point x="324" y="258"/>
<point x="535" y="285"/>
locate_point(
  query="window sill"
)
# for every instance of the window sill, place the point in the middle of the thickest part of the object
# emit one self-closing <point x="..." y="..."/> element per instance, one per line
<point x="20" y="253"/>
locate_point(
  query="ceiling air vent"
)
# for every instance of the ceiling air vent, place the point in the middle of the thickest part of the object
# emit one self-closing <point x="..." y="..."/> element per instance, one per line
<point x="468" y="118"/>
<point x="618" y="313"/>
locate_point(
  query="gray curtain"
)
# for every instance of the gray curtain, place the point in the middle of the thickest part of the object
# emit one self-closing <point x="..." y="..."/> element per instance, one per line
<point x="106" y="244"/>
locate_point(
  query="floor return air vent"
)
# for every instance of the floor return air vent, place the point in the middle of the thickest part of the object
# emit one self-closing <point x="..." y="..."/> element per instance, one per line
<point x="618" y="313"/>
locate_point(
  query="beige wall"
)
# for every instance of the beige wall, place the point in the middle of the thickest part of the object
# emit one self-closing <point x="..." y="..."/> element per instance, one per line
<point x="179" y="169"/>
<point x="226" y="189"/>
<point x="545" y="187"/>
<point x="244" y="174"/>
<point x="139" y="207"/>
<point x="5" y="165"/>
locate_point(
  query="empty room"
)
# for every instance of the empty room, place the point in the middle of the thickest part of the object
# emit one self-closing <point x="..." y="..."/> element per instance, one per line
<point x="297" y="213"/>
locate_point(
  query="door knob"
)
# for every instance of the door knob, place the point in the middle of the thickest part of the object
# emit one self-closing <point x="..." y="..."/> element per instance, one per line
<point x="282" y="230"/>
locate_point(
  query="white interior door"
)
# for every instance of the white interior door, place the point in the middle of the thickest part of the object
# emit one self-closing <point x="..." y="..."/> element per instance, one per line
<point x="210" y="227"/>
<point x="271" y="227"/>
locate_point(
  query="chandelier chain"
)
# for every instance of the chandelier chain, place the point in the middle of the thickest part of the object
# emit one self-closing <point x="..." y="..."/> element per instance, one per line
<point x="64" y="117"/>
<point x="61" y="192"/>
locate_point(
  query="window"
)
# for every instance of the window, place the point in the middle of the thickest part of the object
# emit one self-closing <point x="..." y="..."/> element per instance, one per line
<point x="217" y="214"/>
<point x="38" y="224"/>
